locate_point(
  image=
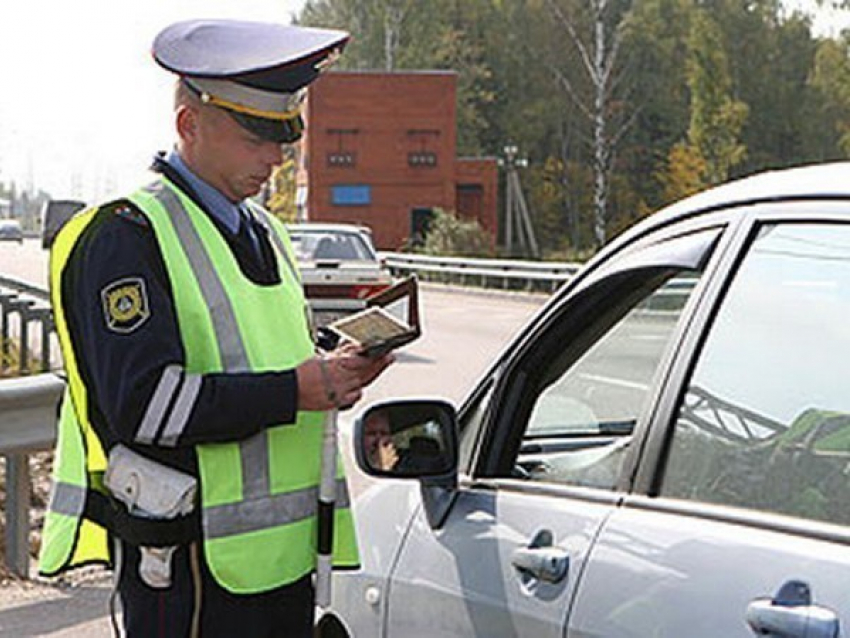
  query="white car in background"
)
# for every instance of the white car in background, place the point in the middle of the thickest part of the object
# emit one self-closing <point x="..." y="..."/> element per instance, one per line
<point x="339" y="268"/>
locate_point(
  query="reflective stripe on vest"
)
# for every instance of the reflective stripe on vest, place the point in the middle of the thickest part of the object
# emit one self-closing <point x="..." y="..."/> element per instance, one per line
<point x="291" y="507"/>
<point x="227" y="332"/>
<point x="67" y="499"/>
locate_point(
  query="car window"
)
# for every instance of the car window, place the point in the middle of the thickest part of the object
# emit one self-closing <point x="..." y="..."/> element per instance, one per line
<point x="593" y="387"/>
<point x="765" y="420"/>
<point x="329" y="245"/>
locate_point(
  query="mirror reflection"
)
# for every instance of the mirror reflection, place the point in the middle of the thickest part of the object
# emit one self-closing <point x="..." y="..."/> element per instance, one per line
<point x="405" y="442"/>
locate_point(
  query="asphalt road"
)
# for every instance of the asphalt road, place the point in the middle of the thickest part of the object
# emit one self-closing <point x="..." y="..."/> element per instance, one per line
<point x="462" y="332"/>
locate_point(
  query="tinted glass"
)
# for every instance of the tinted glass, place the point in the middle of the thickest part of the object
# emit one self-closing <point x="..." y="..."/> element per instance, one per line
<point x="765" y="421"/>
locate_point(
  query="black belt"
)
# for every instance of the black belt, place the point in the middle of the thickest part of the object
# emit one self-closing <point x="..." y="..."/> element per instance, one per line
<point x="138" y="530"/>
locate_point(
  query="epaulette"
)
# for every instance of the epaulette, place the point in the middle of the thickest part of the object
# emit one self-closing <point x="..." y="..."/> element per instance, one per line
<point x="127" y="210"/>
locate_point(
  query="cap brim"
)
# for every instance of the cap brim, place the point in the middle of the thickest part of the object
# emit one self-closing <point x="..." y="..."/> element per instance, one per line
<point x="278" y="131"/>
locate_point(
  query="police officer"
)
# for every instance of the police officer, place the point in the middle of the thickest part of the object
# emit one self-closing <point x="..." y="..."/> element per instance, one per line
<point x="189" y="438"/>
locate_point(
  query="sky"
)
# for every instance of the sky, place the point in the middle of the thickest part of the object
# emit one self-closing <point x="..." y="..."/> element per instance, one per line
<point x="83" y="106"/>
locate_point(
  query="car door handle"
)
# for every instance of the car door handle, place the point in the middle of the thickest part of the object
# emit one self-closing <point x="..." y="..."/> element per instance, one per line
<point x="549" y="564"/>
<point x="790" y="614"/>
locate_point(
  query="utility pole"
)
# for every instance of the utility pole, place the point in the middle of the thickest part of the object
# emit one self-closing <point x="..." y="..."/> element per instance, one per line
<point x="516" y="209"/>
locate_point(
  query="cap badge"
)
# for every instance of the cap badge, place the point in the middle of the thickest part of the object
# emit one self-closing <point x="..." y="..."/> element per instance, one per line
<point x="323" y="65"/>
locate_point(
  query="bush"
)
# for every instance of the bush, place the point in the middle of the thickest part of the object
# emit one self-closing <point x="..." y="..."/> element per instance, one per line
<point x="450" y="236"/>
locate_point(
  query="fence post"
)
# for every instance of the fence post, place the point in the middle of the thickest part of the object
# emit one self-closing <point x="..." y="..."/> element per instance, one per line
<point x="24" y="313"/>
<point x="6" y="301"/>
<point x="46" y="330"/>
<point x="17" y="513"/>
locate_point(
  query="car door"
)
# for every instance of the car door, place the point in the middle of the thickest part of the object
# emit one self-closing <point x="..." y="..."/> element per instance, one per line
<point x="743" y="525"/>
<point x="545" y="443"/>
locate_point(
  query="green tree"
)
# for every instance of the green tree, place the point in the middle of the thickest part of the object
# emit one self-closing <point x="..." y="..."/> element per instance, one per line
<point x="683" y="173"/>
<point x="657" y="37"/>
<point x="830" y="79"/>
<point x="359" y="17"/>
<point x="454" y="51"/>
<point x="667" y="96"/>
<point x="716" y="117"/>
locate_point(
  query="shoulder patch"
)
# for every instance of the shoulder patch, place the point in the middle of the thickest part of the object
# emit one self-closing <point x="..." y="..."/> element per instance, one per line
<point x="125" y="304"/>
<point x="128" y="211"/>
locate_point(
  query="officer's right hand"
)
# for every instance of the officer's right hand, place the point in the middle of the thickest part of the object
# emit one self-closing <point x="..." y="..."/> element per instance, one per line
<point x="325" y="383"/>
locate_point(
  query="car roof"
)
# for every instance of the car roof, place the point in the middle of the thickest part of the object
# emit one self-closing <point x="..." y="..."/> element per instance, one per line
<point x="808" y="182"/>
<point x="814" y="181"/>
<point x="328" y="227"/>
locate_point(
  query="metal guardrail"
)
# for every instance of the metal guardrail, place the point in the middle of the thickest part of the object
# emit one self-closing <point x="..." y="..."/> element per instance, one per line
<point x="22" y="305"/>
<point x="28" y="406"/>
<point x="27" y="403"/>
<point x="506" y="274"/>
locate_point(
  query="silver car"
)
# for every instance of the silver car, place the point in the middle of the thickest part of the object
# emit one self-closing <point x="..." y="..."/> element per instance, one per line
<point x="339" y="268"/>
<point x="663" y="451"/>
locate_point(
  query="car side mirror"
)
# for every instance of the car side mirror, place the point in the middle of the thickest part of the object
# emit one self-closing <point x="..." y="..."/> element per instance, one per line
<point x="408" y="439"/>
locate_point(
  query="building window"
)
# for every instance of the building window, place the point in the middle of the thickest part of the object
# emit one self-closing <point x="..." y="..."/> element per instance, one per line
<point x="422" y="159"/>
<point x="345" y="155"/>
<point x="342" y="159"/>
<point x="351" y="195"/>
<point x="470" y="200"/>
<point x="422" y="142"/>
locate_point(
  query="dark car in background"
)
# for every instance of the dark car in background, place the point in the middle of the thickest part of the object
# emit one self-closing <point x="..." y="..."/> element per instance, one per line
<point x="54" y="215"/>
<point x="664" y="450"/>
<point x="339" y="268"/>
<point x="10" y="230"/>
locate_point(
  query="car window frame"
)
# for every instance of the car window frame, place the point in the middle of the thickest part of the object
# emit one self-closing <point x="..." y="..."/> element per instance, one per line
<point x="498" y="441"/>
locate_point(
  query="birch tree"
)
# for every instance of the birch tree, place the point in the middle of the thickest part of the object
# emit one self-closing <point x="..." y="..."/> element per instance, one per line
<point x="394" y="12"/>
<point x="603" y="104"/>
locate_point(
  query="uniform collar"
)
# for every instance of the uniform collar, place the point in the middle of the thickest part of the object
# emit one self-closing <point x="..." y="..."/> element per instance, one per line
<point x="210" y="197"/>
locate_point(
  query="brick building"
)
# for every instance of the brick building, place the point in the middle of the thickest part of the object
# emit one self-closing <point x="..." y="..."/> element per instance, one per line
<point x="380" y="149"/>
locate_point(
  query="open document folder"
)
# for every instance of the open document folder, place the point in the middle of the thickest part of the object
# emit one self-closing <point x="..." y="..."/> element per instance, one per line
<point x="389" y="321"/>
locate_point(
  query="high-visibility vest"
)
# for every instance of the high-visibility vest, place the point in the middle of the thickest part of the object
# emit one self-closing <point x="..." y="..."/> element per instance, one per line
<point x="258" y="495"/>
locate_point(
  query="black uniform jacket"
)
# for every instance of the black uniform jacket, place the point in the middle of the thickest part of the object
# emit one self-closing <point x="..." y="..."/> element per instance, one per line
<point x="122" y="364"/>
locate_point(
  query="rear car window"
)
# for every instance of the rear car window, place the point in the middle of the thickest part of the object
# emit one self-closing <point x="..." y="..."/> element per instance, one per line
<point x="765" y="421"/>
<point x="343" y="246"/>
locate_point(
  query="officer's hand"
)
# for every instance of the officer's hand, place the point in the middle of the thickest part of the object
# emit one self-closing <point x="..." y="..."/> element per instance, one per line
<point x="367" y="368"/>
<point x="336" y="380"/>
